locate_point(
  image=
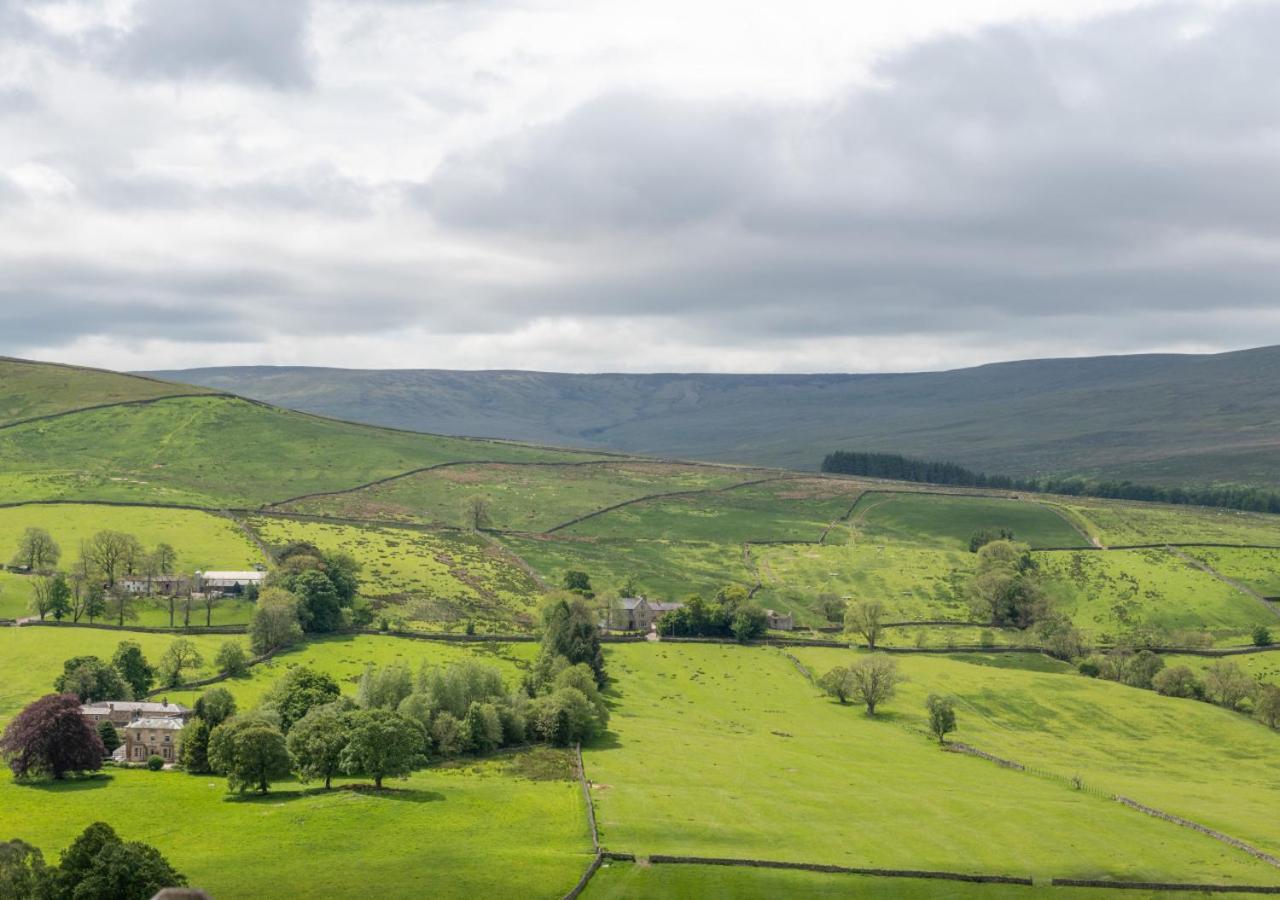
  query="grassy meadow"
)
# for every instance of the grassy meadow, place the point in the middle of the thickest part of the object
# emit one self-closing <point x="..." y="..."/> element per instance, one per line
<point x="1107" y="592"/>
<point x="477" y="830"/>
<point x="949" y="521"/>
<point x="434" y="577"/>
<point x="218" y="452"/>
<point x="1258" y="570"/>
<point x="29" y="389"/>
<point x="526" y="497"/>
<point x="1195" y="760"/>
<point x="729" y="751"/>
<point x="1150" y="523"/>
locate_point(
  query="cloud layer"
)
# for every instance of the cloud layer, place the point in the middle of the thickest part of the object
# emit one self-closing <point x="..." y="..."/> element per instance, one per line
<point x="463" y="185"/>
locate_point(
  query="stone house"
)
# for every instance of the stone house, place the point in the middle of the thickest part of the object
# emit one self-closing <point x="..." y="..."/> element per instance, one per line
<point x="164" y="585"/>
<point x="152" y="736"/>
<point x="636" y="613"/>
<point x="121" y="712"/>
<point x="780" y="621"/>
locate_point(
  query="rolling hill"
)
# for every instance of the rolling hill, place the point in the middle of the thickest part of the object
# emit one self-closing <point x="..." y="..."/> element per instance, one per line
<point x="1154" y="418"/>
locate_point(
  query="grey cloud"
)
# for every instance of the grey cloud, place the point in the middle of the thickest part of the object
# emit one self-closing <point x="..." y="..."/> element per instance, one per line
<point x="256" y="41"/>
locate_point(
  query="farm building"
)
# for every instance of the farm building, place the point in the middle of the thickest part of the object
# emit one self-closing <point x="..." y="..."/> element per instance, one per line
<point x="780" y="621"/>
<point x="151" y="736"/>
<point x="227" y="583"/>
<point x="636" y="613"/>
<point x="166" y="585"/>
<point x="121" y="712"/>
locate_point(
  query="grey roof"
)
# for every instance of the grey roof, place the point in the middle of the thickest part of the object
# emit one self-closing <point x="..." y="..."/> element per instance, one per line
<point x="133" y="707"/>
<point x="163" y="722"/>
<point x="657" y="606"/>
<point x="629" y="602"/>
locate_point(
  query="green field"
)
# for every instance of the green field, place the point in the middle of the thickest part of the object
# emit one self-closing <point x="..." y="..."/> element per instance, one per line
<point x="31" y="658"/>
<point x="1258" y="570"/>
<point x="913" y="582"/>
<point x="217" y="452"/>
<point x="1263" y="666"/>
<point x="661" y="569"/>
<point x="1188" y="758"/>
<point x="792" y="509"/>
<point x="1149" y="523"/>
<point x="728" y="751"/>
<point x="1105" y="593"/>
<point x="530" y="498"/>
<point x="949" y="521"/>
<point x="477" y="830"/>
<point x="29" y="389"/>
<point x="345" y="657"/>
<point x="436" y="577"/>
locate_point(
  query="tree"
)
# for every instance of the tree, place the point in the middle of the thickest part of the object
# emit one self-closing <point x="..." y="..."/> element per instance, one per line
<point x="231" y="659"/>
<point x="1142" y="668"/>
<point x="1261" y="636"/>
<point x="569" y="630"/>
<point x="50" y="737"/>
<point x="316" y="744"/>
<point x="749" y="622"/>
<point x="51" y="595"/>
<point x="832" y="607"/>
<point x="984" y="536"/>
<point x="867" y="619"/>
<point x="23" y="872"/>
<point x="563" y="717"/>
<point x="117" y="602"/>
<point x="382" y="744"/>
<point x="89" y="678"/>
<point x="95" y="602"/>
<point x="1266" y="706"/>
<point x="298" y="692"/>
<point x="250" y="752"/>
<point x="1005" y="587"/>
<point x="113" y="553"/>
<point x="384" y="688"/>
<point x="449" y="734"/>
<point x="579" y="582"/>
<point x="37" y="551"/>
<point x="109" y="736"/>
<point x="942" y="716"/>
<point x="1226" y="684"/>
<point x="193" y="745"/>
<point x="99" y="865"/>
<point x="1060" y="638"/>
<point x="875" y="679"/>
<point x="182" y="654"/>
<point x="319" y="606"/>
<point x="216" y="706"/>
<point x="838" y="683"/>
<point x="133" y="667"/>
<point x="475" y="513"/>
<point x="1177" y="681"/>
<point x="274" y="624"/>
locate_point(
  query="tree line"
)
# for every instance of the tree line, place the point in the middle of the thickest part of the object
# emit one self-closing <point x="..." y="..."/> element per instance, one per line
<point x="903" y="468"/>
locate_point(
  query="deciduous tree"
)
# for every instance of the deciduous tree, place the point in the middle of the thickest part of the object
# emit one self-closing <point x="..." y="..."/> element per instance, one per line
<point x="274" y="624"/>
<point x="182" y="654"/>
<point x="50" y="737"/>
<point x="382" y="744"/>
<point x="113" y="553"/>
<point x="37" y="550"/>
<point x="1266" y="705"/>
<point x="250" y="752"/>
<point x="91" y="679"/>
<point x="942" y="716"/>
<point x="1226" y="684"/>
<point x="875" y="680"/>
<point x="133" y="667"/>
<point x="231" y="659"/>
<point x="317" y="741"/>
<point x="569" y="629"/>
<point x="866" y="617"/>
<point x="99" y="865"/>
<point x="298" y="692"/>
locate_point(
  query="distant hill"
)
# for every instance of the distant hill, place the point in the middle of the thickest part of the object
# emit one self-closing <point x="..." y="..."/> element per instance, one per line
<point x="1154" y="418"/>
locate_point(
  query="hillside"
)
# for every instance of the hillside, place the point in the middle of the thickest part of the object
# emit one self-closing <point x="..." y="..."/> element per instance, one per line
<point x="35" y="390"/>
<point x="1155" y="418"/>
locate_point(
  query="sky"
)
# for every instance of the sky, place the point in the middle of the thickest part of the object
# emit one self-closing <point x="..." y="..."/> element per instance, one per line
<point x="606" y="185"/>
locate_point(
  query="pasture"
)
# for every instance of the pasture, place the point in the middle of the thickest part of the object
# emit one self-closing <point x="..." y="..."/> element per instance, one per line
<point x="786" y="509"/>
<point x="519" y="497"/>
<point x="209" y="452"/>
<point x="1259" y="570"/>
<point x="441" y="578"/>
<point x="479" y="829"/>
<point x="729" y="751"/>
<point x="1120" y="523"/>
<point x="1195" y="760"/>
<point x="31" y="657"/>
<point x="29" y="389"/>
<point x="940" y="520"/>
<point x="1107" y="592"/>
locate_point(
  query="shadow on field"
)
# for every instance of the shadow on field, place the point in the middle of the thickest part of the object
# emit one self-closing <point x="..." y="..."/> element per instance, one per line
<point x="82" y="783"/>
<point x="607" y="741"/>
<point x="404" y="795"/>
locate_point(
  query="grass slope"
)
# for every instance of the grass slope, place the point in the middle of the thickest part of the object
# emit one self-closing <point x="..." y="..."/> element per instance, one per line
<point x="520" y="497"/>
<point x="437" y="577"/>
<point x="217" y="452"/>
<point x="728" y="751"/>
<point x="29" y="389"/>
<point x="480" y="830"/>
<point x="949" y="521"/>
<point x="1148" y="523"/>
<point x="1192" y="759"/>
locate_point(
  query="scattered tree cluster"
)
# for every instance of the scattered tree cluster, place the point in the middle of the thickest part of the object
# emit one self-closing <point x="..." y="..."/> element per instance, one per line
<point x="902" y="468"/>
<point x="729" y="614"/>
<point x="128" y="676"/>
<point x="870" y="681"/>
<point x="1223" y="683"/>
<point x="325" y="586"/>
<point x="1005" y="589"/>
<point x="98" y="864"/>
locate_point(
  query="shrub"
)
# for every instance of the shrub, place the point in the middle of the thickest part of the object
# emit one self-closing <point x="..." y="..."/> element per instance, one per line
<point x="1266" y="706"/>
<point x="1261" y="636"/>
<point x="1177" y="681"/>
<point x="109" y="736"/>
<point x="987" y="638"/>
<point x="231" y="659"/>
<point x="155" y="763"/>
<point x="942" y="716"/>
<point x="1226" y="684"/>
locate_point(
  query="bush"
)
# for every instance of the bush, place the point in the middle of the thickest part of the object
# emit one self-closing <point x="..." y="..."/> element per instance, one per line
<point x="1091" y="666"/>
<point x="1178" y="681"/>
<point x="231" y="659"/>
<point x="1261" y="636"/>
<point x="155" y="763"/>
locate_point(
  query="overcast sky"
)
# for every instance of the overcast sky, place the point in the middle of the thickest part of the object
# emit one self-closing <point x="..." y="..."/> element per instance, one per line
<point x="588" y="185"/>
